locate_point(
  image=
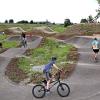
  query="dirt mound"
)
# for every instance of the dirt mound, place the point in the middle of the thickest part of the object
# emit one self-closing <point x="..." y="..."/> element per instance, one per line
<point x="45" y="30"/>
<point x="13" y="72"/>
<point x="48" y="29"/>
<point x="84" y="29"/>
<point x="14" y="30"/>
<point x="80" y="29"/>
<point x="42" y="31"/>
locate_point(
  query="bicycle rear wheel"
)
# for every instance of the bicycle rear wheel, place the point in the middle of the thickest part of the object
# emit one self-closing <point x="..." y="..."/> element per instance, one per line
<point x="38" y="91"/>
<point x="63" y="90"/>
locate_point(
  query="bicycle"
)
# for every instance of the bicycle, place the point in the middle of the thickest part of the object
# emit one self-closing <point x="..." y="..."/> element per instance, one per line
<point x="63" y="89"/>
<point x="93" y="59"/>
<point x="24" y="43"/>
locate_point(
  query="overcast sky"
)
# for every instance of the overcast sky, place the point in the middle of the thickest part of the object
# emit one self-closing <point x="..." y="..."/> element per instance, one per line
<point x="51" y="10"/>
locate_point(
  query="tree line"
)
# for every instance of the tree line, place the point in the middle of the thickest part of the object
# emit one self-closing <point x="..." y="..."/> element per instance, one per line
<point x="27" y="22"/>
<point x="66" y="23"/>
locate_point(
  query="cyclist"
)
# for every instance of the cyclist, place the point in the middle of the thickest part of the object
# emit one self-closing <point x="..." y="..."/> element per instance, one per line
<point x="95" y="47"/>
<point x="47" y="71"/>
<point x="23" y="39"/>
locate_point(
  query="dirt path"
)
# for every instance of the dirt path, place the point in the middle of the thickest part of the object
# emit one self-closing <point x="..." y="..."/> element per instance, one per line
<point x="84" y="82"/>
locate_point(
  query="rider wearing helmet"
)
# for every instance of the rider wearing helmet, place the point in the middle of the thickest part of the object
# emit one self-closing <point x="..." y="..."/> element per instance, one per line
<point x="47" y="71"/>
<point x="95" y="47"/>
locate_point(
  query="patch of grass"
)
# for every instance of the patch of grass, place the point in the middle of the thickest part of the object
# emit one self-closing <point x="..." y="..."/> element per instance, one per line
<point x="58" y="28"/>
<point x="10" y="44"/>
<point x="2" y="37"/>
<point x="24" y="64"/>
<point x="50" y="48"/>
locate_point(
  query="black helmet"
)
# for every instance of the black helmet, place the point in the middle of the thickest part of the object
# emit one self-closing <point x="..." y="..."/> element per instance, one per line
<point x="95" y="38"/>
<point x="53" y="58"/>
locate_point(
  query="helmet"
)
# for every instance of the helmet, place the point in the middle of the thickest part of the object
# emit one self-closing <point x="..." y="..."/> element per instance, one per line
<point x="53" y="58"/>
<point x="95" y="38"/>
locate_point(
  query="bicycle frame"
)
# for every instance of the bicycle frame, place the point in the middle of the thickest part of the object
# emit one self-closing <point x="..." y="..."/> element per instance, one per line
<point x="56" y="81"/>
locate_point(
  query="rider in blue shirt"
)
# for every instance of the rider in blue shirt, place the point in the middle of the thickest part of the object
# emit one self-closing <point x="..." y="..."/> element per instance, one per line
<point x="95" y="47"/>
<point x="47" y="71"/>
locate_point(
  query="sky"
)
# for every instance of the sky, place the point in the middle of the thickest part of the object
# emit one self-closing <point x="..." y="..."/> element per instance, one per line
<point x="52" y="10"/>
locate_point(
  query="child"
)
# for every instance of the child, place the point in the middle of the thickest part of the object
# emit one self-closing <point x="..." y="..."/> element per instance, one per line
<point x="47" y="71"/>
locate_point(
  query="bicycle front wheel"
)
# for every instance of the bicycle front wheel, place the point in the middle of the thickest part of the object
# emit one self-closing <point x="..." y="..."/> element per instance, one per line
<point x="63" y="90"/>
<point x="38" y="91"/>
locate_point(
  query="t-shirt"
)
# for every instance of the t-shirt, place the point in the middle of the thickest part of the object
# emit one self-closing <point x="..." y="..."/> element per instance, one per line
<point x="95" y="44"/>
<point x="48" y="66"/>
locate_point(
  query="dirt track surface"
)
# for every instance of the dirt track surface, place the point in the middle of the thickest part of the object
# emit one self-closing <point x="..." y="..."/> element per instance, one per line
<point x="84" y="82"/>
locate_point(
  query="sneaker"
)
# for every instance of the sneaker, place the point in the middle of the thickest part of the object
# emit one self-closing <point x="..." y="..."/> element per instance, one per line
<point x="45" y="82"/>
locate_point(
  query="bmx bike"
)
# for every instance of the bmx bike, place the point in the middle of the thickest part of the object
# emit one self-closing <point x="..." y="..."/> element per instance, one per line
<point x="63" y="89"/>
<point x="93" y="59"/>
<point x="24" y="43"/>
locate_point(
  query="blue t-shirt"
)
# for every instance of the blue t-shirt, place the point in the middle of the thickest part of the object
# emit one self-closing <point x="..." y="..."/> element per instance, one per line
<point x="48" y="66"/>
<point x="95" y="44"/>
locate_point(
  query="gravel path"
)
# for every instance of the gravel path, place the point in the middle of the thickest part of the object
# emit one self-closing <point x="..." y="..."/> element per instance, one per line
<point x="84" y="82"/>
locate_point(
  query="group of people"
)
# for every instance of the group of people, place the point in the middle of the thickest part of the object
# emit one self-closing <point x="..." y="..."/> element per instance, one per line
<point x="47" y="69"/>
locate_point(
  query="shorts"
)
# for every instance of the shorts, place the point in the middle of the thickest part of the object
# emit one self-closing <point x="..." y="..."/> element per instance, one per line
<point x="48" y="75"/>
<point x="96" y="50"/>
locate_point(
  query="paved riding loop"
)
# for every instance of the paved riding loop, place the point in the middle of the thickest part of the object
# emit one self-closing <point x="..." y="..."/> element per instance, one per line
<point x="84" y="82"/>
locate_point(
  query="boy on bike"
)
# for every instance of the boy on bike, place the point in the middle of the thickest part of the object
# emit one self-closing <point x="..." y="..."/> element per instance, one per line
<point x="47" y="71"/>
<point x="95" y="47"/>
<point x="23" y="39"/>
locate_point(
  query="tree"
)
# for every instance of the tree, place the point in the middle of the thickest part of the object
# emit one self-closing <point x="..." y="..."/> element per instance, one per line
<point x="98" y="12"/>
<point x="90" y="19"/>
<point x="67" y="22"/>
<point x="84" y="21"/>
<point x="11" y="21"/>
<point x="23" y="22"/>
<point x="6" y="21"/>
<point x="31" y="22"/>
<point x="53" y="23"/>
<point x="98" y="1"/>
